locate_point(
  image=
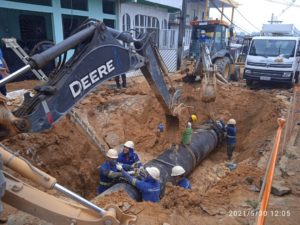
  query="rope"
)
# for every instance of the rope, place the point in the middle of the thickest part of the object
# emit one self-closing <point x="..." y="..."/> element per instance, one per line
<point x="192" y="154"/>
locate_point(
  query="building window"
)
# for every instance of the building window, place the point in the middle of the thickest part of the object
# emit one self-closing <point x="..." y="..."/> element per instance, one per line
<point x="109" y="23"/>
<point x="35" y="2"/>
<point x="70" y="23"/>
<point x="33" y="29"/>
<point x="148" y="24"/>
<point x="136" y="21"/>
<point x="164" y="24"/>
<point x="125" y="22"/>
<point x="109" y="7"/>
<point x="74" y="4"/>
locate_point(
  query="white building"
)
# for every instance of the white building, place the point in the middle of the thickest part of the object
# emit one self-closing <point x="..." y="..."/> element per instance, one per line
<point x="142" y="16"/>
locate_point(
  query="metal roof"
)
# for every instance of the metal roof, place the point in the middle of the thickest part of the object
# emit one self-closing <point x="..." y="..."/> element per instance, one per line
<point x="218" y="3"/>
<point x="227" y="3"/>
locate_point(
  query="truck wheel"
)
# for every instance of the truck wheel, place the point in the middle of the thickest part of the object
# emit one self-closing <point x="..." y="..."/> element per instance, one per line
<point x="249" y="82"/>
<point x="297" y="78"/>
<point x="236" y="75"/>
<point x="223" y="67"/>
<point x="290" y="85"/>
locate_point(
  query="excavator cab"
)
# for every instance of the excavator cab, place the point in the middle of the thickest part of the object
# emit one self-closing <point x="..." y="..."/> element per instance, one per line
<point x="217" y="36"/>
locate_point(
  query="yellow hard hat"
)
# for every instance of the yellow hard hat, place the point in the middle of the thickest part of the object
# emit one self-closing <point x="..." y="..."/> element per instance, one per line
<point x="194" y="117"/>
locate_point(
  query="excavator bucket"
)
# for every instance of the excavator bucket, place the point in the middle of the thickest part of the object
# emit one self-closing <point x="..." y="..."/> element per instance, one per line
<point x="118" y="216"/>
<point x="208" y="93"/>
<point x="209" y="88"/>
<point x="172" y="123"/>
<point x="9" y="124"/>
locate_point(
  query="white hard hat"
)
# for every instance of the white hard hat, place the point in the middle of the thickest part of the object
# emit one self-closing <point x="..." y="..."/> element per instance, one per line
<point x="202" y="32"/>
<point x="112" y="153"/>
<point x="231" y="121"/>
<point x="177" y="171"/>
<point x="129" y="144"/>
<point x="154" y="172"/>
<point x="189" y="124"/>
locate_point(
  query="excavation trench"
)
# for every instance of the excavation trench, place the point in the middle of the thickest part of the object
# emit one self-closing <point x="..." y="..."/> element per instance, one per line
<point x="133" y="114"/>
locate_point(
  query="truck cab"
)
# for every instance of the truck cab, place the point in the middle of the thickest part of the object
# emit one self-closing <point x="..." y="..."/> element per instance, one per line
<point x="273" y="58"/>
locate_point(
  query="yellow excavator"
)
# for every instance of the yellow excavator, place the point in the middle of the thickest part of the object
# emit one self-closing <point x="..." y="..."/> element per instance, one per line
<point x="98" y="56"/>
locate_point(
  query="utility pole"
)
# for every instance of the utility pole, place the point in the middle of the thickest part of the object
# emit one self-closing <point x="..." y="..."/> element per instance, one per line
<point x="272" y="19"/>
<point x="206" y="13"/>
<point x="181" y="33"/>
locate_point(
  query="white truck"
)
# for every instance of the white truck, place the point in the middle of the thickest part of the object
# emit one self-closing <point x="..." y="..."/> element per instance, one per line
<point x="275" y="57"/>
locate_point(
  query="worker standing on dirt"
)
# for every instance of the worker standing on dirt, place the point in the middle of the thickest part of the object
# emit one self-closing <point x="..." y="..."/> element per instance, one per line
<point x="231" y="137"/>
<point x="4" y="71"/>
<point x="149" y="187"/>
<point x="108" y="171"/>
<point x="178" y="174"/>
<point x="117" y="80"/>
<point x="128" y="158"/>
<point x="187" y="135"/>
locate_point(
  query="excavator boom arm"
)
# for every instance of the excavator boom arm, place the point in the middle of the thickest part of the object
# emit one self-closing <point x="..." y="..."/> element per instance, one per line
<point x="98" y="56"/>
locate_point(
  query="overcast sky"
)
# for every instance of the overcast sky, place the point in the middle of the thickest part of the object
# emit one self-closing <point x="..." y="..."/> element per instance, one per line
<point x="259" y="12"/>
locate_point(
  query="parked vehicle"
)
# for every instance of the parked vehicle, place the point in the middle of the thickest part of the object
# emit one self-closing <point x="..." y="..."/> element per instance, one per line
<point x="274" y="58"/>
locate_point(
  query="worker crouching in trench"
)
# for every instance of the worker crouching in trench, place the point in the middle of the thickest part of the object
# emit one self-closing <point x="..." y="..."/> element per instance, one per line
<point x="149" y="187"/>
<point x="149" y="184"/>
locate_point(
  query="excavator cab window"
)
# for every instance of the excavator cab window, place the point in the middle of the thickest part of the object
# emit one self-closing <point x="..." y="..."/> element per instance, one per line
<point x="217" y="38"/>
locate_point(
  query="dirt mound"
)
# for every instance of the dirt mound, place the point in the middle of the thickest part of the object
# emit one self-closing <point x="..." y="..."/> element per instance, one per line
<point x="65" y="153"/>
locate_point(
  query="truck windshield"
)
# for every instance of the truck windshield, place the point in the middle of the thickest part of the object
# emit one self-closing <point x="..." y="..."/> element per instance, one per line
<point x="273" y="48"/>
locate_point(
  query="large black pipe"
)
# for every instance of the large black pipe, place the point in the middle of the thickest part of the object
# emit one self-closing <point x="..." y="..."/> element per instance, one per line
<point x="204" y="141"/>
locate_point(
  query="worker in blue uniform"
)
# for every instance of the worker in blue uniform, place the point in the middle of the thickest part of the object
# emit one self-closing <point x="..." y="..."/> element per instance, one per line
<point x="203" y="37"/>
<point x="231" y="137"/>
<point x="181" y="181"/>
<point x="150" y="187"/>
<point x="108" y="171"/>
<point x="128" y="158"/>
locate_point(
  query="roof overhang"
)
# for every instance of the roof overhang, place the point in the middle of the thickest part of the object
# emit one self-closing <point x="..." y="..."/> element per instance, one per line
<point x="226" y="3"/>
<point x="156" y="4"/>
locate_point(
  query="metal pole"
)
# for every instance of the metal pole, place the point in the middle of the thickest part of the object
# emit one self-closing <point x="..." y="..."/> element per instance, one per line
<point x="181" y="33"/>
<point x="206" y="15"/>
<point x="15" y="74"/>
<point x="79" y="199"/>
<point x="222" y="14"/>
<point x="232" y="13"/>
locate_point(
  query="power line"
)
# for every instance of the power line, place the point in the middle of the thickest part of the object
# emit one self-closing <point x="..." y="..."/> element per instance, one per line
<point x="245" y="18"/>
<point x="238" y="26"/>
<point x="229" y="19"/>
<point x="282" y="3"/>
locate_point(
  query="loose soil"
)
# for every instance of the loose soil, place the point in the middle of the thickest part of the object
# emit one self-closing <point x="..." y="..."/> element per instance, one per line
<point x="133" y="114"/>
